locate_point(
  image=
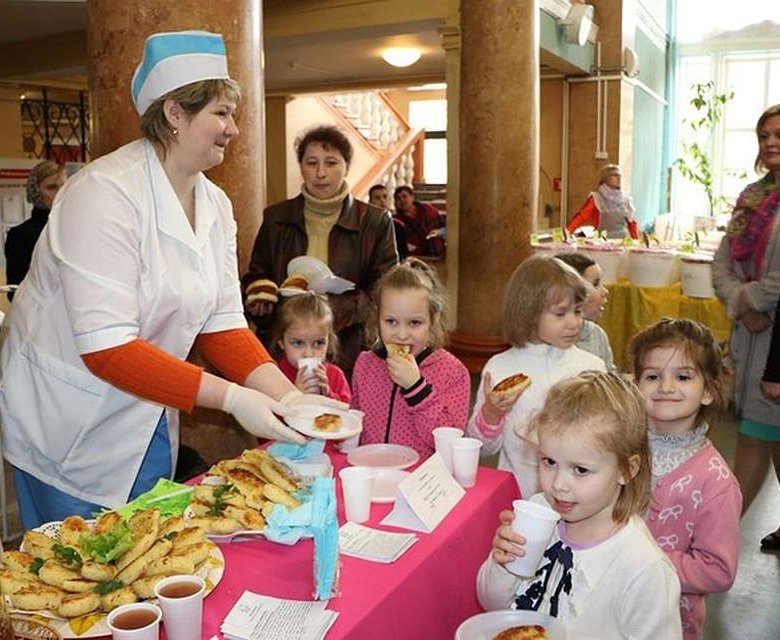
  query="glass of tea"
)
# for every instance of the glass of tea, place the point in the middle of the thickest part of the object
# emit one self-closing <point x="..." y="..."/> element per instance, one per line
<point x="181" y="601"/>
<point x="137" y="621"/>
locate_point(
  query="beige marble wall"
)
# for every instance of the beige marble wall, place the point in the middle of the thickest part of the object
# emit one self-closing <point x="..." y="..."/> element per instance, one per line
<point x="499" y="157"/>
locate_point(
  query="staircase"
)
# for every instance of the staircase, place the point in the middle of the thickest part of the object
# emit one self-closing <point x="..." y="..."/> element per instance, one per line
<point x="396" y="147"/>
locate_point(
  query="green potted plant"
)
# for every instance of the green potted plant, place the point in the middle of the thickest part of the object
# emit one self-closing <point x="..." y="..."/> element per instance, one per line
<point x="696" y="162"/>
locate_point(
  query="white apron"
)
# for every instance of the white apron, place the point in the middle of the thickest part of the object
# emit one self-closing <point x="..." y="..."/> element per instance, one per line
<point x="117" y="261"/>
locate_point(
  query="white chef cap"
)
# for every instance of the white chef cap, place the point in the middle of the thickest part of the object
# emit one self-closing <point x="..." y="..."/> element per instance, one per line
<point x="172" y="60"/>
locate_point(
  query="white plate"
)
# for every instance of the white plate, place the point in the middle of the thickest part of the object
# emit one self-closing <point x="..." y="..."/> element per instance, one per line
<point x="94" y="625"/>
<point x="385" y="483"/>
<point x="486" y="626"/>
<point x="388" y="456"/>
<point x="321" y="278"/>
<point x="302" y="420"/>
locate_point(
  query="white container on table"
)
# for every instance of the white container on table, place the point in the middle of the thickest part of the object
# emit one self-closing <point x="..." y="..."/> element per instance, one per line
<point x="696" y="275"/>
<point x="653" y="267"/>
<point x="608" y="257"/>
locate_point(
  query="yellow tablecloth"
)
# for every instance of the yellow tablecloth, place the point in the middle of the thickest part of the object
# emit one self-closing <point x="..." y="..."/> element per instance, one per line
<point x="630" y="309"/>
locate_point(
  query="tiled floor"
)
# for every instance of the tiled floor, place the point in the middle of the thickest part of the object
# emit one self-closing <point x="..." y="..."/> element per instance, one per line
<point x="751" y="609"/>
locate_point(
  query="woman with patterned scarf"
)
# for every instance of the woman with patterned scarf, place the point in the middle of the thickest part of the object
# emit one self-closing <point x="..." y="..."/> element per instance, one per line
<point x="746" y="277"/>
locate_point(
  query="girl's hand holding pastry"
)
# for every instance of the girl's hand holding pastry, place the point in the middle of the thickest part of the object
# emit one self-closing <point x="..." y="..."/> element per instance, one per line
<point x="496" y="406"/>
<point x="403" y="370"/>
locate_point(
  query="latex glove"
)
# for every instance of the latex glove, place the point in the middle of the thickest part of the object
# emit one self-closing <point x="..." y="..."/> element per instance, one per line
<point x="295" y="399"/>
<point x="255" y="412"/>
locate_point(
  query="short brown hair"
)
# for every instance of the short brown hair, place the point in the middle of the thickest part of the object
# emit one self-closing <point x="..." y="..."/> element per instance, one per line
<point x="612" y="411"/>
<point x="770" y="112"/>
<point x="192" y="98"/>
<point x="413" y="273"/>
<point x="576" y="260"/>
<point x="538" y="283"/>
<point x="306" y="306"/>
<point x="697" y="344"/>
<point x="329" y="137"/>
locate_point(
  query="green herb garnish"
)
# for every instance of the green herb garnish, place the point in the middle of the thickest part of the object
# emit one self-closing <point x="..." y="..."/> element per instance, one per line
<point x="67" y="556"/>
<point x="36" y="565"/>
<point x="108" y="586"/>
<point x="171" y="536"/>
<point x="108" y="546"/>
<point x="220" y="493"/>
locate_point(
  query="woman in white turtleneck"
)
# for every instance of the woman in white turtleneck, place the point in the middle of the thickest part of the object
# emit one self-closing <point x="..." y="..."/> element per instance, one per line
<point x="353" y="238"/>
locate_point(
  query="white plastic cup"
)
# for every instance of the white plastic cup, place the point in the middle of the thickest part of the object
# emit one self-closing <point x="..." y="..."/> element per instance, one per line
<point x="181" y="601"/>
<point x="442" y="440"/>
<point x="356" y="486"/>
<point x="536" y="524"/>
<point x="465" y="460"/>
<point x="123" y="622"/>
<point x="309" y="364"/>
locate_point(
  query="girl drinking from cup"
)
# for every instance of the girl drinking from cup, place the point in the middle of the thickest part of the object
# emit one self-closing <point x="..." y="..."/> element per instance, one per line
<point x="694" y="515"/>
<point x="602" y="573"/>
<point x="304" y="338"/>
<point x="593" y="338"/>
<point x="408" y="385"/>
<point x="542" y="322"/>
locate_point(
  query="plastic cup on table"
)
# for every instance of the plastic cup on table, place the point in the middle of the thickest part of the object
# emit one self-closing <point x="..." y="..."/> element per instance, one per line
<point x="465" y="460"/>
<point x="442" y="440"/>
<point x="536" y="523"/>
<point x="181" y="601"/>
<point x="136" y="621"/>
<point x="356" y="486"/>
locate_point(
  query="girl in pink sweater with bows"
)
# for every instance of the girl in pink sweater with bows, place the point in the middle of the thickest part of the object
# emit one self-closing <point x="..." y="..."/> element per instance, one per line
<point x="694" y="515"/>
<point x="406" y="396"/>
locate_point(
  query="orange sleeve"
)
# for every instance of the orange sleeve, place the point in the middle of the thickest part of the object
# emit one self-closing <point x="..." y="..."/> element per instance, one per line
<point x="144" y="370"/>
<point x="588" y="214"/>
<point x="234" y="353"/>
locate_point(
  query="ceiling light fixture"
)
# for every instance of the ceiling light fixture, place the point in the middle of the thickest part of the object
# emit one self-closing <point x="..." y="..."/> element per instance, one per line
<point x="401" y="56"/>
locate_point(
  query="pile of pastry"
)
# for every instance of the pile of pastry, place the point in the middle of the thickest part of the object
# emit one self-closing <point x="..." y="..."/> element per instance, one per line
<point x="100" y="566"/>
<point x="238" y="494"/>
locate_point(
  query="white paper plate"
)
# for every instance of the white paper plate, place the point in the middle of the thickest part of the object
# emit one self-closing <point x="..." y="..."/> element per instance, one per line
<point x="302" y="420"/>
<point x="388" y="456"/>
<point x="385" y="483"/>
<point x="94" y="625"/>
<point x="486" y="626"/>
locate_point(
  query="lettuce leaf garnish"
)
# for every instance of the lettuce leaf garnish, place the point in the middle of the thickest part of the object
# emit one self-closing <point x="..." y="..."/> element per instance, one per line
<point x="108" y="546"/>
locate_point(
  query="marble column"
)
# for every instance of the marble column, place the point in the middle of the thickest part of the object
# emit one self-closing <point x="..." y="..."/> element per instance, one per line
<point x="499" y="168"/>
<point x="116" y="32"/>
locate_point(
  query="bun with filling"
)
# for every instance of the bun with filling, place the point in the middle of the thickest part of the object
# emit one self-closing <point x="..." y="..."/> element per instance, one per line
<point x="525" y="632"/>
<point x="296" y="281"/>
<point x="327" y="422"/>
<point x="262" y="290"/>
<point x="400" y="350"/>
<point x="511" y="385"/>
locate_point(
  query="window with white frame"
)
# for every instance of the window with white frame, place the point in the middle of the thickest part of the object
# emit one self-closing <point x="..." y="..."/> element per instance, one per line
<point x="734" y="45"/>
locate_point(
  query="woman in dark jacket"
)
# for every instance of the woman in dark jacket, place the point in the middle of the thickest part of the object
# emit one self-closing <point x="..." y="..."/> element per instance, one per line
<point x="46" y="179"/>
<point x="355" y="239"/>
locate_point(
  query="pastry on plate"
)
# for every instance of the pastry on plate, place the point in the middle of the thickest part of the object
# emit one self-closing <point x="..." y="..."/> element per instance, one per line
<point x="524" y="632"/>
<point x="327" y="422"/>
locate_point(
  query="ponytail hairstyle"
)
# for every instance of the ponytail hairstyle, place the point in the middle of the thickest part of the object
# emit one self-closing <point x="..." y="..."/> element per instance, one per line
<point x="413" y="273"/>
<point x="306" y="306"/>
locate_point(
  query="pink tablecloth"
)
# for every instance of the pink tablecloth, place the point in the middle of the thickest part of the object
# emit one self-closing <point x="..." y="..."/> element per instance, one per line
<point x="427" y="593"/>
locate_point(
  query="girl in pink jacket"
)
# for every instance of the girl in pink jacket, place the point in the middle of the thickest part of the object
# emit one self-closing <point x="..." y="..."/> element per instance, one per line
<point x="407" y="385"/>
<point x="694" y="515"/>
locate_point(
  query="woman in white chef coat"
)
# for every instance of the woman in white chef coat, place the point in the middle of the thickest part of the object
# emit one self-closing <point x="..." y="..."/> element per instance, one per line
<point x="137" y="264"/>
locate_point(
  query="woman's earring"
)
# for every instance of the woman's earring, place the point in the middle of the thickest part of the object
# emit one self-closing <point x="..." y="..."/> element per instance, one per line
<point x="176" y="132"/>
